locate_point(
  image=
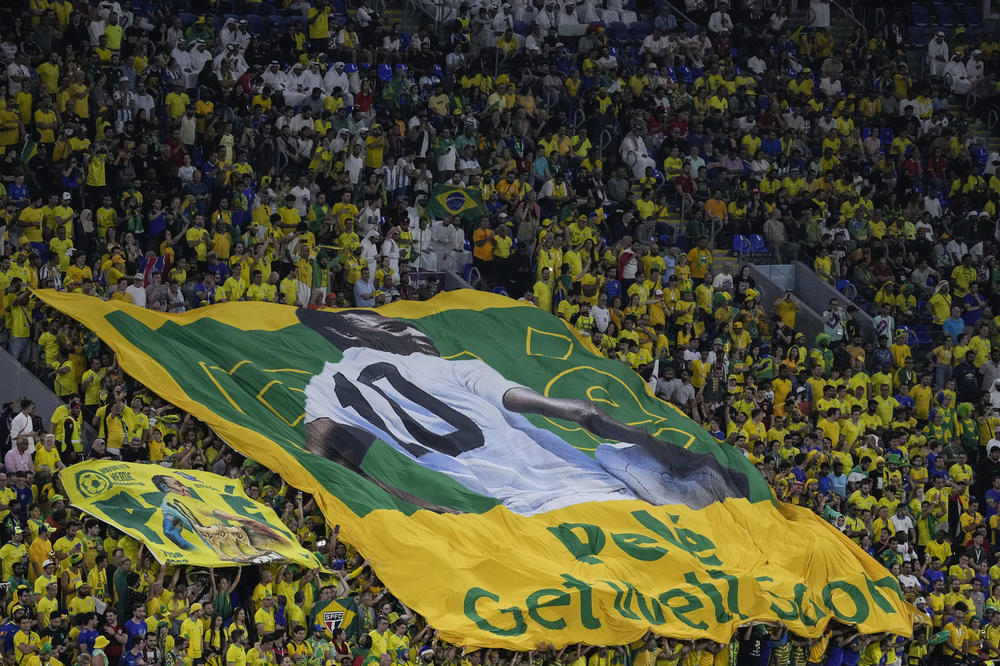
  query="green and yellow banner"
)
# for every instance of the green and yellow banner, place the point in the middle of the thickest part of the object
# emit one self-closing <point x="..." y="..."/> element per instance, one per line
<point x="340" y="614"/>
<point x="183" y="516"/>
<point x="449" y="201"/>
<point x="504" y="480"/>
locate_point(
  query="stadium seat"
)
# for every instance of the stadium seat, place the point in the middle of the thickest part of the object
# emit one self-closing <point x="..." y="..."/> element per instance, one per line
<point x="350" y="68"/>
<point x="618" y="32"/>
<point x="385" y="72"/>
<point x="918" y="14"/>
<point x="639" y="30"/>
<point x="758" y="245"/>
<point x="973" y="15"/>
<point x="740" y="244"/>
<point x="256" y="24"/>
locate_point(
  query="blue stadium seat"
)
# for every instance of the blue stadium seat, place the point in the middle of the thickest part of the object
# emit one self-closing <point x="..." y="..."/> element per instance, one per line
<point x="618" y="32"/>
<point x="945" y="15"/>
<point x="501" y="290"/>
<point x="256" y="24"/>
<point x="918" y="14"/>
<point x="350" y="67"/>
<point x="973" y="15"/>
<point x="740" y="244"/>
<point x="886" y="135"/>
<point x="757" y="244"/>
<point x="522" y="28"/>
<point x="639" y="30"/>
<point x="385" y="72"/>
<point x="981" y="155"/>
<point x="684" y="74"/>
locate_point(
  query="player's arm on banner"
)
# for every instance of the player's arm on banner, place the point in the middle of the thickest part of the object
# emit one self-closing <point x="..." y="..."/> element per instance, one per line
<point x="348" y="445"/>
<point x="679" y="461"/>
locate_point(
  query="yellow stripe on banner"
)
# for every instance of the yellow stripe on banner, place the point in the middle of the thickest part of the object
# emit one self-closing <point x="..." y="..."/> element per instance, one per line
<point x="276" y="316"/>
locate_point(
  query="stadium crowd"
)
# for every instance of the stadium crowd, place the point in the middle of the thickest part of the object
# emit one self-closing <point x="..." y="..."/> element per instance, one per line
<point x="298" y="154"/>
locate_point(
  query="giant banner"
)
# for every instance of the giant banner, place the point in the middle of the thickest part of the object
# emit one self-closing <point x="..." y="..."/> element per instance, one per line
<point x="183" y="516"/>
<point x="503" y="479"/>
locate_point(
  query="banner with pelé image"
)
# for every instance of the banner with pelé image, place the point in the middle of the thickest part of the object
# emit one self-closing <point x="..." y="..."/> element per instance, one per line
<point x="504" y="480"/>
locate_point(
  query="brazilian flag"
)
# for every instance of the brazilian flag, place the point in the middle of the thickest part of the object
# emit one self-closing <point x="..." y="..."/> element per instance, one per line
<point x="448" y="201"/>
<point x="341" y="613"/>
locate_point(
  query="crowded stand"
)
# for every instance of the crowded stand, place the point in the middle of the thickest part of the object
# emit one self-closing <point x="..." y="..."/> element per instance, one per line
<point x="598" y="160"/>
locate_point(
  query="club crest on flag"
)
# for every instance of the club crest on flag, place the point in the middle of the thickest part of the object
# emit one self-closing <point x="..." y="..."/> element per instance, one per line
<point x="332" y="620"/>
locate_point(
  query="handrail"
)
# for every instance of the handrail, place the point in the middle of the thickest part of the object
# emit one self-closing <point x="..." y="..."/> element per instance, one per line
<point x="678" y="12"/>
<point x="578" y="114"/>
<point x="602" y="144"/>
<point x="850" y="15"/>
<point x="716" y="228"/>
<point x="992" y="120"/>
<point x="499" y="56"/>
<point x="971" y="99"/>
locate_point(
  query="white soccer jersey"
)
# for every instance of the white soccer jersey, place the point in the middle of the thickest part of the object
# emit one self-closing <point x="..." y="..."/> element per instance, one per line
<point x="449" y="416"/>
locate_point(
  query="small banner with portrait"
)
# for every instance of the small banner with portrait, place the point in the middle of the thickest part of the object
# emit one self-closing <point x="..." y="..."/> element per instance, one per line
<point x="183" y="517"/>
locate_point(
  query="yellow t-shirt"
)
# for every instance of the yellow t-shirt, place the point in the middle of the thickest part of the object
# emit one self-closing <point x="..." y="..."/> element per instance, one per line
<point x="192" y="630"/>
<point x="236" y="656"/>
